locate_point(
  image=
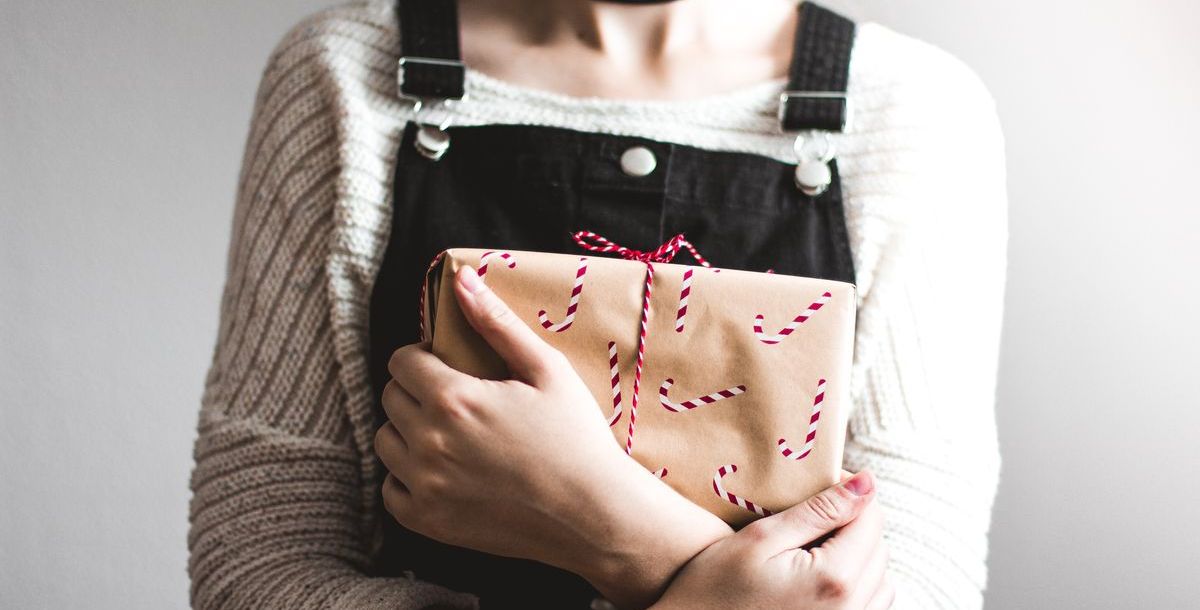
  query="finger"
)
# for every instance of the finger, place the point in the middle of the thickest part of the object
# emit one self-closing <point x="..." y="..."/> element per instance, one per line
<point x="824" y="512"/>
<point x="852" y="546"/>
<point x="526" y="354"/>
<point x="424" y="375"/>
<point x="402" y="408"/>
<point x="392" y="451"/>
<point x="883" y="597"/>
<point x="396" y="499"/>
<point x="846" y="474"/>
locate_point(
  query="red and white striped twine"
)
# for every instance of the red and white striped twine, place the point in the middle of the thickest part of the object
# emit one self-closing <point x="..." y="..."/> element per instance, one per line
<point x="791" y="326"/>
<point x="811" y="439"/>
<point x="437" y="258"/>
<point x="643" y="332"/>
<point x="663" y="254"/>
<point x="734" y="499"/>
<point x="508" y="258"/>
<point x="676" y="407"/>
<point x="486" y="256"/>
<point x="660" y="473"/>
<point x="572" y="307"/>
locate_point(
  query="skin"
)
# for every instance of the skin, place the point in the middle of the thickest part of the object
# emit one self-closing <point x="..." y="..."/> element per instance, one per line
<point x="671" y="51"/>
<point x="526" y="467"/>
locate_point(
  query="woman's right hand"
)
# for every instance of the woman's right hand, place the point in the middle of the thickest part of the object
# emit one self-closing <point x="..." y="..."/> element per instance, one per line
<point x="772" y="562"/>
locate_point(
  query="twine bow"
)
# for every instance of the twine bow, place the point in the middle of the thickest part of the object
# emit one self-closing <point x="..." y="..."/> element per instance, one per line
<point x="662" y="254"/>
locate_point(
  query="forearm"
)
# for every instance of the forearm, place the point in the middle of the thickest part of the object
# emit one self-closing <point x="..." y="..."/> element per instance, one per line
<point x="639" y="534"/>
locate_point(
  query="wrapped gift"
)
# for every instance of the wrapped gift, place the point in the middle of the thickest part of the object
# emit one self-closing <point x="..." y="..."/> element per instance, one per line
<point x="742" y="398"/>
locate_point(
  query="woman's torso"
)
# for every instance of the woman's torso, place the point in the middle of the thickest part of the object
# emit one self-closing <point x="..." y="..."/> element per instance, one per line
<point x="527" y="187"/>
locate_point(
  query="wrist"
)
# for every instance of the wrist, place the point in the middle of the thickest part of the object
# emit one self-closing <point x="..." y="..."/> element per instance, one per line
<point x="639" y="534"/>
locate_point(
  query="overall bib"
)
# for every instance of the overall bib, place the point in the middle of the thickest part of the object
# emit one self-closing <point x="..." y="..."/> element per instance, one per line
<point x="521" y="187"/>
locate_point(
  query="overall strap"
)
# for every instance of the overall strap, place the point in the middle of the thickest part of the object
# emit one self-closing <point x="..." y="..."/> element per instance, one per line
<point x="431" y="64"/>
<point x="815" y="98"/>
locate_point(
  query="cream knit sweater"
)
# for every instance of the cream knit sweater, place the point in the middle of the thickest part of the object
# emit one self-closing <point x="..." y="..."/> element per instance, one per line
<point x="284" y="512"/>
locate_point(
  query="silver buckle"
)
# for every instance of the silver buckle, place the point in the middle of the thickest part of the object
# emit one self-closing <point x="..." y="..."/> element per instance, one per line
<point x="432" y="61"/>
<point x="818" y="95"/>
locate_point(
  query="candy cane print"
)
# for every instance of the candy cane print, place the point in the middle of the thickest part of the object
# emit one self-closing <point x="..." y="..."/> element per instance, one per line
<point x="676" y="407"/>
<point x="791" y="326"/>
<point x="486" y="256"/>
<point x="811" y="439"/>
<point x="576" y="290"/>
<point x="733" y="499"/>
<point x="660" y="473"/>
<point x="684" y="292"/>
<point x="615" y="374"/>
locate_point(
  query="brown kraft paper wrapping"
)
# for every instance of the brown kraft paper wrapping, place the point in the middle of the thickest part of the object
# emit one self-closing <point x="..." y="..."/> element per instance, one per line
<point x="717" y="349"/>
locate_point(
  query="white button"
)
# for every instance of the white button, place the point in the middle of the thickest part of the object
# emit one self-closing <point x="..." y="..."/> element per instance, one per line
<point x="638" y="161"/>
<point x="813" y="177"/>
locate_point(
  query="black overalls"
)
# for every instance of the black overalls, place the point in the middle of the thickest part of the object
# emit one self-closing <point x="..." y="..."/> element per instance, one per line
<point x="520" y="187"/>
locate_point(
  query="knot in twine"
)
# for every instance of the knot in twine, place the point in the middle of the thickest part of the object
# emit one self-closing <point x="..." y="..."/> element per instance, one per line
<point x="662" y="254"/>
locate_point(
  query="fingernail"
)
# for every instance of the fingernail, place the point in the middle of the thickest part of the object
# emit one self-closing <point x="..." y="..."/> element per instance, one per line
<point x="470" y="279"/>
<point x="860" y="484"/>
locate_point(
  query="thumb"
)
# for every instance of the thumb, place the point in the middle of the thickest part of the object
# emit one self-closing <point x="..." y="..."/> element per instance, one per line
<point x="527" y="355"/>
<point x="821" y="514"/>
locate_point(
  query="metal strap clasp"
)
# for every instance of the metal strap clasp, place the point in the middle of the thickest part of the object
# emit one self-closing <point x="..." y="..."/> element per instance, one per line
<point x="788" y="96"/>
<point x="432" y="141"/>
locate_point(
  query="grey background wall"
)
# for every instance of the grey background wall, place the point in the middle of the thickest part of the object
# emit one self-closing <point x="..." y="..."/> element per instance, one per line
<point x="121" y="126"/>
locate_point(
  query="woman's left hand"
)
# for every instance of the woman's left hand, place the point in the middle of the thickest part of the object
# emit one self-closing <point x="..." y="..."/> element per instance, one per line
<point x="527" y="467"/>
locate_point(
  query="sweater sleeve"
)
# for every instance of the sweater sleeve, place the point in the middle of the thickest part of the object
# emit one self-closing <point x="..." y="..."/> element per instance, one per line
<point x="276" y="517"/>
<point x="928" y="338"/>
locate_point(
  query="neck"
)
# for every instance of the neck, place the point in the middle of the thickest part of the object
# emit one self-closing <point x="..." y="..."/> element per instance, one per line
<point x="644" y="31"/>
<point x="661" y="50"/>
<point x="620" y="31"/>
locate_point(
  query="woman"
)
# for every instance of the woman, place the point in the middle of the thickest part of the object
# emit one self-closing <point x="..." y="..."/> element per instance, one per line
<point x="632" y="121"/>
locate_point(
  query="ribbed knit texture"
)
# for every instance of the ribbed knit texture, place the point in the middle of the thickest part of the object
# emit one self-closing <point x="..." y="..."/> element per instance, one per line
<point x="284" y="512"/>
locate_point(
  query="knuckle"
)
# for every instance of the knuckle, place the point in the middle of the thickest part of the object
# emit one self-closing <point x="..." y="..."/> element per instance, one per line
<point x="390" y="501"/>
<point x="396" y="361"/>
<point x="755" y="533"/>
<point x="391" y="392"/>
<point x="379" y="438"/>
<point x="455" y="408"/>
<point x="496" y="313"/>
<point x="457" y="401"/>
<point x="447" y="396"/>
<point x="436" y="444"/>
<point x="826" y="508"/>
<point x="434" y="487"/>
<point x="832" y="585"/>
